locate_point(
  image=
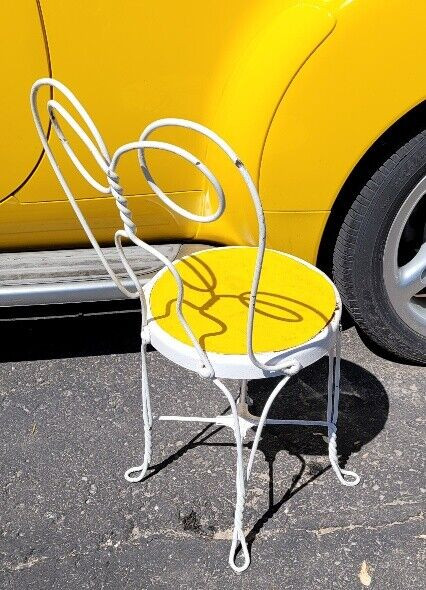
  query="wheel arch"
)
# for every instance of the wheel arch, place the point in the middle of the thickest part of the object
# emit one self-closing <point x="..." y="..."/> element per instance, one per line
<point x="401" y="131"/>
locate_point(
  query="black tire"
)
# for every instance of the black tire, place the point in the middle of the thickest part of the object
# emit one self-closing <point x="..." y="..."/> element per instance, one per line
<point x="358" y="254"/>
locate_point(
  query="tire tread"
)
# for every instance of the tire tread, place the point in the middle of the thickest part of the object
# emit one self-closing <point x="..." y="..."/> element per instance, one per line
<point x="344" y="261"/>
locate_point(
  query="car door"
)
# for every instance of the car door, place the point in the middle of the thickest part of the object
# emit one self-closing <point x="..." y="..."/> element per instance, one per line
<point x="126" y="72"/>
<point x="23" y="58"/>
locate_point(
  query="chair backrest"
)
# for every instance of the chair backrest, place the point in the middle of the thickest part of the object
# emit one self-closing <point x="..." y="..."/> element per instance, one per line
<point x="108" y="165"/>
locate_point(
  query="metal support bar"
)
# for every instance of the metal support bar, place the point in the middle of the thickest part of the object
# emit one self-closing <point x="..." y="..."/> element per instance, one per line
<point x="246" y="423"/>
<point x="188" y="419"/>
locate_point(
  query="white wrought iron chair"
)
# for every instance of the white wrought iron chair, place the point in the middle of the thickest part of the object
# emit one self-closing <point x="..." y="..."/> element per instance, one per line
<point x="217" y="312"/>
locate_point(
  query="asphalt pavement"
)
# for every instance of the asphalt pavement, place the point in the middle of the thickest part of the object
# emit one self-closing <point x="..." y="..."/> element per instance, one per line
<point x="71" y="425"/>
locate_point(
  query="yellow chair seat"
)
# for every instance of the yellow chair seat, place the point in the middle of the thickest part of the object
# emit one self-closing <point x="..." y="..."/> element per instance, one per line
<point x="294" y="303"/>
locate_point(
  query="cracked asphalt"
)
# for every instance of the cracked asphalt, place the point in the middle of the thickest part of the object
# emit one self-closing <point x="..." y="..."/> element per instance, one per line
<point x="71" y="425"/>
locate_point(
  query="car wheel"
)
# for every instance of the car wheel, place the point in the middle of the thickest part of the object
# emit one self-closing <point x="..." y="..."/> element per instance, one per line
<point x="379" y="262"/>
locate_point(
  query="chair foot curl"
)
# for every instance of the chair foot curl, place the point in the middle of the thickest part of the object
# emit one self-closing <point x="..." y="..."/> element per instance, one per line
<point x="235" y="312"/>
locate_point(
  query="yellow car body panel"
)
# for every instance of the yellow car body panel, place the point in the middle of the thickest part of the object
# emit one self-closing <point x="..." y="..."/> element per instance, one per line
<point x="53" y="224"/>
<point x="366" y="75"/>
<point x="23" y="58"/>
<point x="299" y="89"/>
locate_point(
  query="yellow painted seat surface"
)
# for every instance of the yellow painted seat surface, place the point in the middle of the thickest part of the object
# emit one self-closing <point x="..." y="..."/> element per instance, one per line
<point x="294" y="302"/>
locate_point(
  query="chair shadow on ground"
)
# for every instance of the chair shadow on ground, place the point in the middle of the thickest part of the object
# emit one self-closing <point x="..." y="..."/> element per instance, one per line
<point x="363" y="411"/>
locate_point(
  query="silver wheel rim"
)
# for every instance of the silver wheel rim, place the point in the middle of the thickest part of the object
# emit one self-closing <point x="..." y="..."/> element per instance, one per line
<point x="404" y="284"/>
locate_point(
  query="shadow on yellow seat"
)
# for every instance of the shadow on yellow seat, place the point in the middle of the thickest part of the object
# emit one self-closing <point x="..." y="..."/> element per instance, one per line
<point x="294" y="303"/>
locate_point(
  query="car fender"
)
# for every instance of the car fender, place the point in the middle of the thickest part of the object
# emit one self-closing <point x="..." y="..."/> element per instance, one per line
<point x="261" y="67"/>
<point x="361" y="80"/>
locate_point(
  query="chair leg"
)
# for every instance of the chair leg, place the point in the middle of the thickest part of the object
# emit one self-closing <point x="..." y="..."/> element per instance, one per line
<point x="332" y="415"/>
<point x="141" y="470"/>
<point x="347" y="478"/>
<point x="238" y="534"/>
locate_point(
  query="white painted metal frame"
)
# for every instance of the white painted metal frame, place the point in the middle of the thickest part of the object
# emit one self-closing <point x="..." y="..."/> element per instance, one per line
<point x="207" y="365"/>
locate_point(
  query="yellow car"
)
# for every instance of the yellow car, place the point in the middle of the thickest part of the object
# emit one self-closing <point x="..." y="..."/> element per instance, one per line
<point x="324" y="100"/>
